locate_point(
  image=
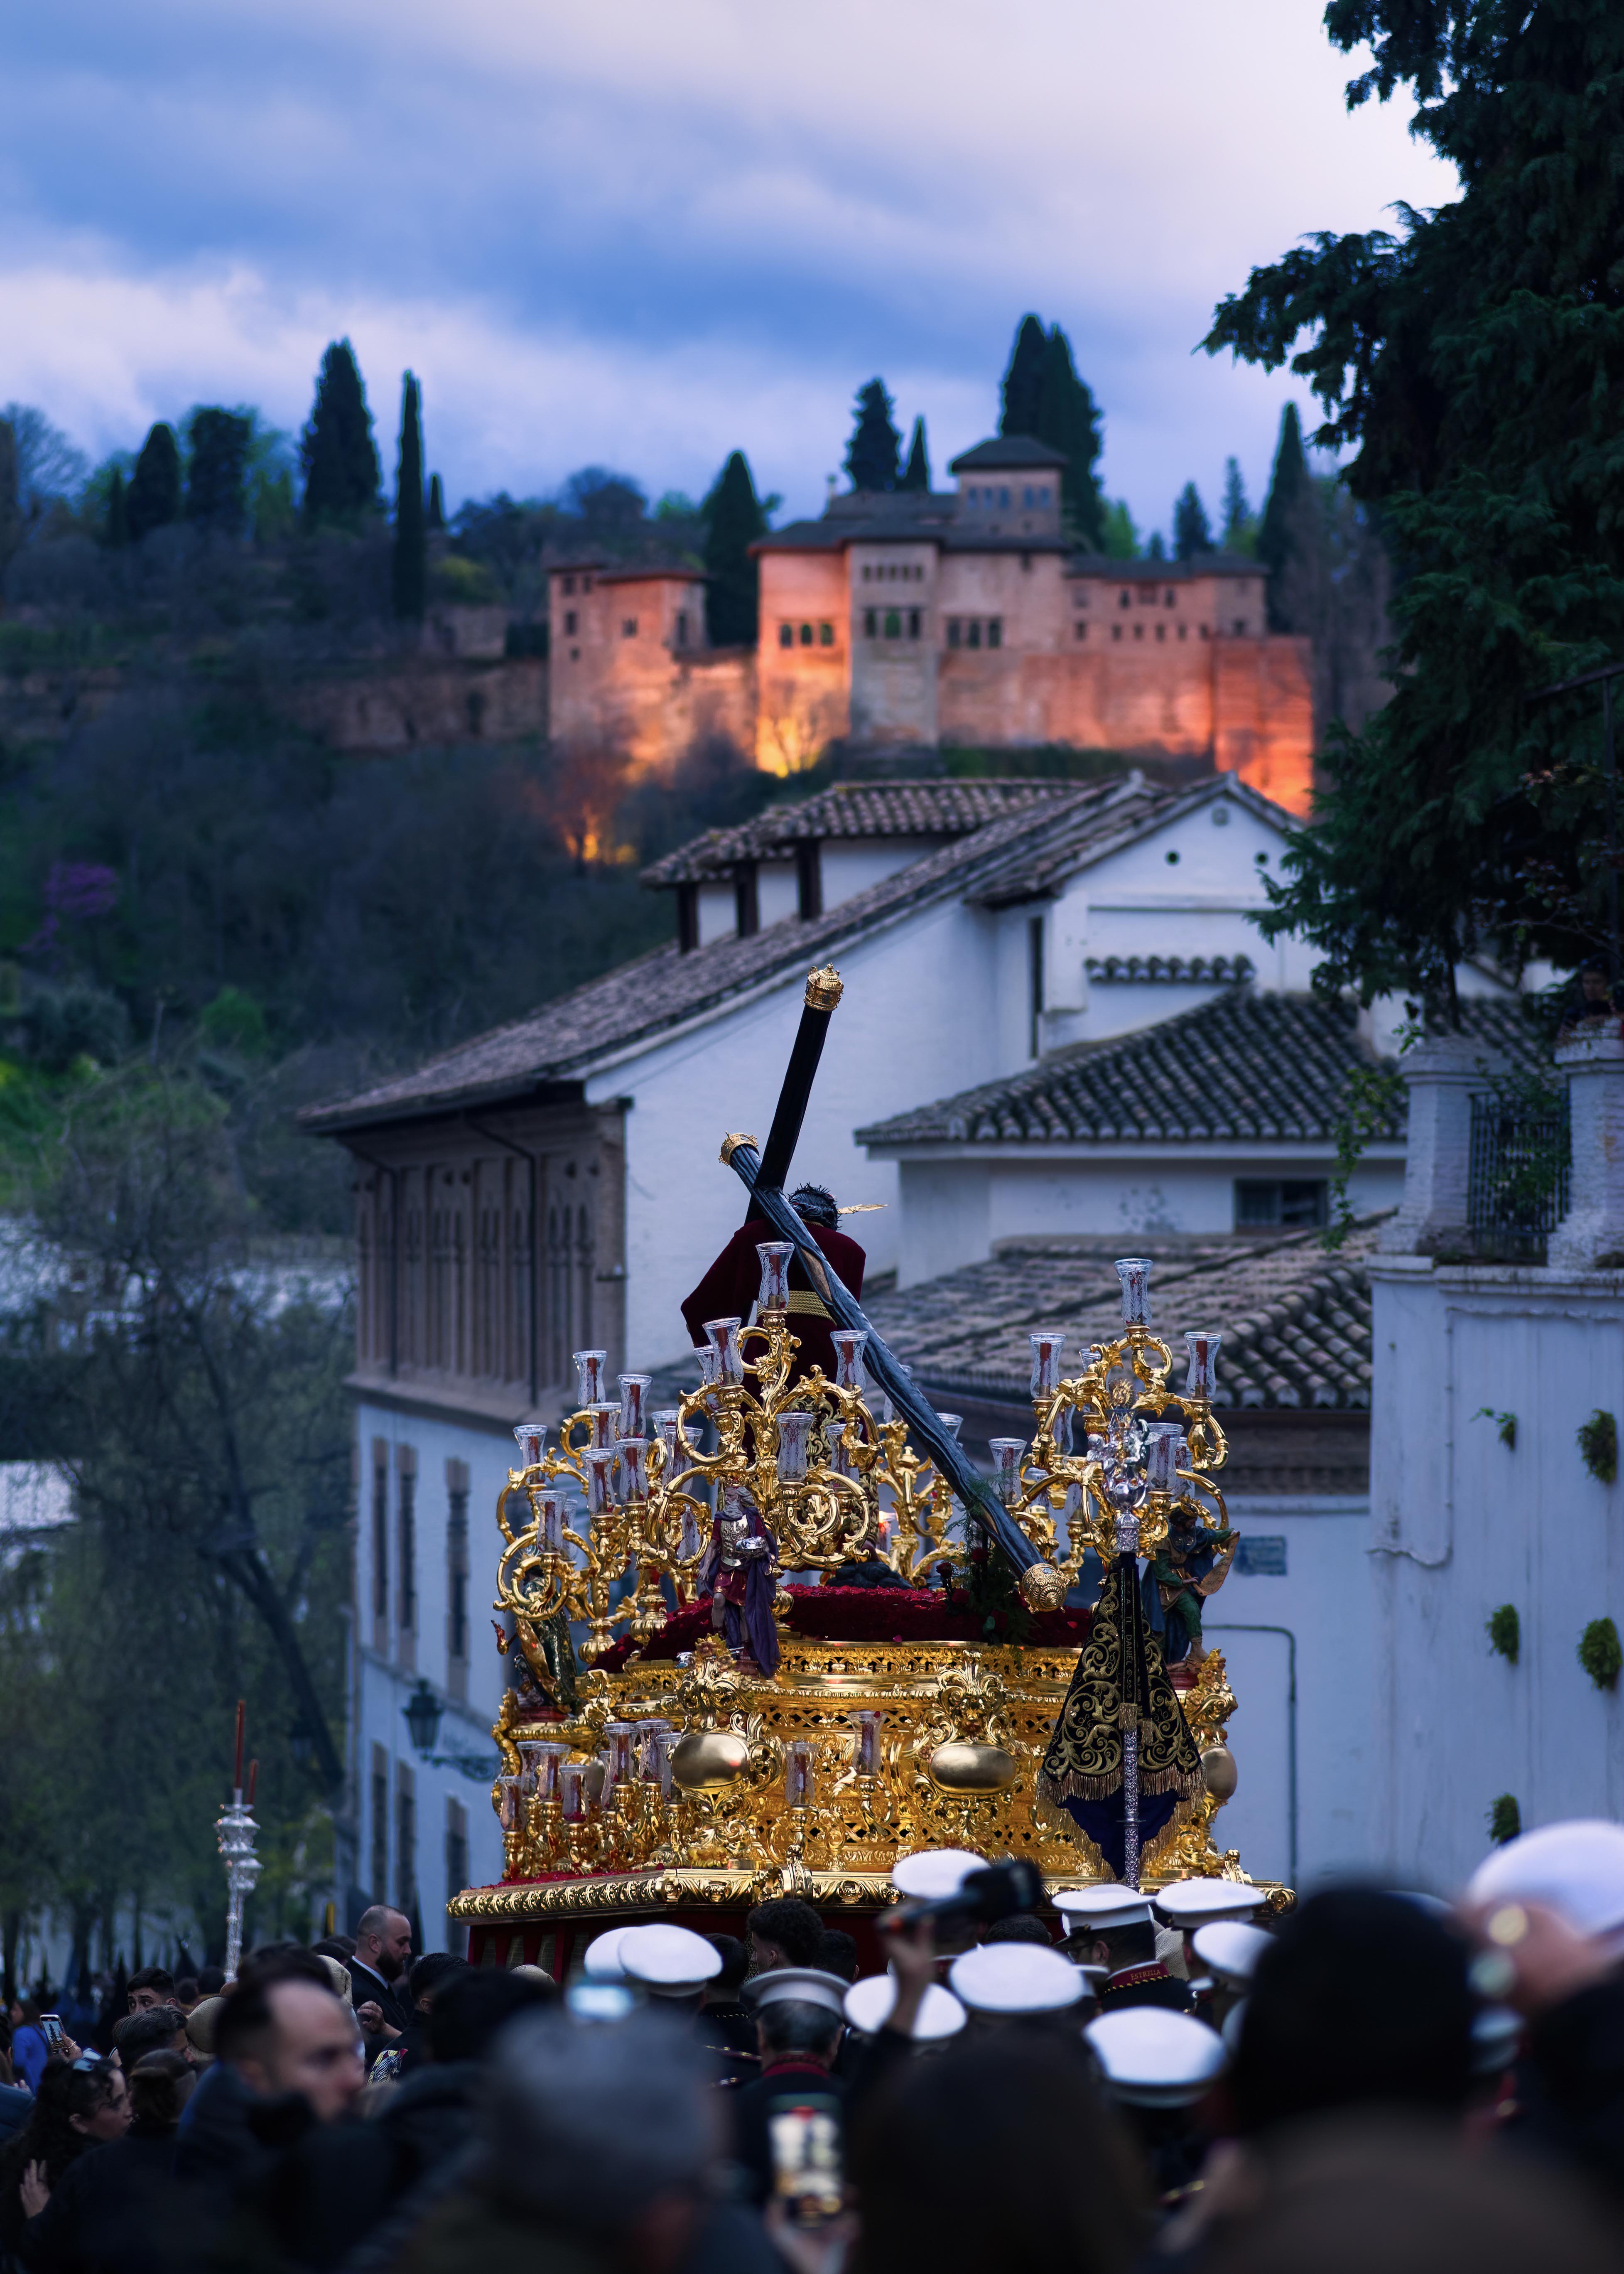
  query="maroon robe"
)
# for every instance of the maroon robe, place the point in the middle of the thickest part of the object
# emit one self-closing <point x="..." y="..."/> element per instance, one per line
<point x="731" y="1285"/>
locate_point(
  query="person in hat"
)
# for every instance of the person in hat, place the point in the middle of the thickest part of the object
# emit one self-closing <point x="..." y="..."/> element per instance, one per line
<point x="1226" y="1954"/>
<point x="1017" y="1985"/>
<point x="1547" y="1913"/>
<point x="800" y="2016"/>
<point x="675" y="1968"/>
<point x="1117" y="1925"/>
<point x="1187" y="1905"/>
<point x="730" y="1287"/>
<point x="1159" y="2068"/>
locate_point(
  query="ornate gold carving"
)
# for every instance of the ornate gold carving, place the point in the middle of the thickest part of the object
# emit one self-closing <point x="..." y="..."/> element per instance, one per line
<point x="1042" y="1588"/>
<point x="824" y="988"/>
<point x="732" y="1142"/>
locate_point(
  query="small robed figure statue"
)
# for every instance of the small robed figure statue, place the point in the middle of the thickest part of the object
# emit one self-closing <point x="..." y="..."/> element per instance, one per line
<point x="741" y="1571"/>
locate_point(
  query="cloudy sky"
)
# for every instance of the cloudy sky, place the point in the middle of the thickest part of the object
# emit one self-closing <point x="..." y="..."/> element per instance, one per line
<point x="639" y="234"/>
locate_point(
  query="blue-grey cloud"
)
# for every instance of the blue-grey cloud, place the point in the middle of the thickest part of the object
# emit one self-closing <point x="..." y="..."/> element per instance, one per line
<point x="645" y="235"/>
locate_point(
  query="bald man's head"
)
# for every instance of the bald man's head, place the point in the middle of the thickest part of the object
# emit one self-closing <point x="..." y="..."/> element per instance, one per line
<point x="289" y="2036"/>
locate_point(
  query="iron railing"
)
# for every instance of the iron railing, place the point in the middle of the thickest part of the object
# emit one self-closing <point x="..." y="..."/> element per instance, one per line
<point x="1517" y="1190"/>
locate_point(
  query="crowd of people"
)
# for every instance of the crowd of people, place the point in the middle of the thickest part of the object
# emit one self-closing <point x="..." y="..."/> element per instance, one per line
<point x="1098" y="2082"/>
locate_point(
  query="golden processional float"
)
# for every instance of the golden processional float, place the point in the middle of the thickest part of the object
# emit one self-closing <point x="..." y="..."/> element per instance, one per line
<point x="955" y="1703"/>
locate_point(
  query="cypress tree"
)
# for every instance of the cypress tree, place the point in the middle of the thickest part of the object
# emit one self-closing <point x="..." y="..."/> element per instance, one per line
<point x="337" y="450"/>
<point x="733" y="520"/>
<point x="871" y="454"/>
<point x="412" y="559"/>
<point x="916" y="475"/>
<point x="216" y="480"/>
<point x="118" y="510"/>
<point x="1023" y="381"/>
<point x="10" y="508"/>
<point x="1240" y="523"/>
<point x="1067" y="420"/>
<point x="1290" y="536"/>
<point x="437" y="503"/>
<point x="154" y="497"/>
<point x="1192" y="532"/>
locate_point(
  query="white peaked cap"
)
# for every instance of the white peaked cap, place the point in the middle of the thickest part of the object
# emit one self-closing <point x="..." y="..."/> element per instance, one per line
<point x="1156" y="2058"/>
<point x="1232" y="1949"/>
<point x="1576" y="1868"/>
<point x="939" y="1871"/>
<point x="602" y="1961"/>
<point x="1190" y="1903"/>
<point x="1015" y="1977"/>
<point x="1106" y="1905"/>
<point x="670" y="1962"/>
<point x="803" y="1985"/>
<point x="869" y="2005"/>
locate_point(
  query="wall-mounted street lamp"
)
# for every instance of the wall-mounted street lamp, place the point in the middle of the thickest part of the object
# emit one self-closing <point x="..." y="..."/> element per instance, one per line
<point x="424" y="1712"/>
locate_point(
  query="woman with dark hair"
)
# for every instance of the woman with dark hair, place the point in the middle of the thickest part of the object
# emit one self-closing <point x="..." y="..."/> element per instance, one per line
<point x="1030" y="2105"/>
<point x="30" y="2051"/>
<point x="110" y="2212"/>
<point x="79" y="2105"/>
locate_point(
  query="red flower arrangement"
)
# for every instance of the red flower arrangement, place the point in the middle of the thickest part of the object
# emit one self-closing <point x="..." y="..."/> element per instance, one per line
<point x="895" y="1614"/>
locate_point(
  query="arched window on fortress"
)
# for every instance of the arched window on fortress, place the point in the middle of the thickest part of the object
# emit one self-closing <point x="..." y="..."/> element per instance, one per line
<point x="787" y="634"/>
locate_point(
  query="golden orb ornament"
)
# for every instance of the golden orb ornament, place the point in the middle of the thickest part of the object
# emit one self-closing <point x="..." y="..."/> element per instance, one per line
<point x="1220" y="1772"/>
<point x="709" y="1760"/>
<point x="965" y="1766"/>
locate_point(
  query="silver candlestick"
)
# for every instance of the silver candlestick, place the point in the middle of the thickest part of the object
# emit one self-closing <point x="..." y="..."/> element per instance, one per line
<point x="235" y="1832"/>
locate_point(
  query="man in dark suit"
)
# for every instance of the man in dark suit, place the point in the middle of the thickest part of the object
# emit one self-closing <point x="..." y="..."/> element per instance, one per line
<point x="1115" y="1927"/>
<point x="382" y="1953"/>
<point x="730" y="1287"/>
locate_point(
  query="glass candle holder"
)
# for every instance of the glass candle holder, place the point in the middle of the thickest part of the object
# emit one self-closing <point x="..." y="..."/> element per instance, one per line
<point x="774" y="1255"/>
<point x="603" y="1417"/>
<point x="531" y="1440"/>
<point x="709" y="1360"/>
<point x="952" y="1423"/>
<point x="689" y="1546"/>
<point x="1161" y="1456"/>
<point x="574" y="1799"/>
<point x="839" y="1451"/>
<point x="633" y="1398"/>
<point x="666" y="1423"/>
<point x="798" y="1773"/>
<point x="619" y="1739"/>
<point x="599" y="1479"/>
<point x="589" y="1366"/>
<point x="542" y="1762"/>
<point x="664" y="1744"/>
<point x="794" y="1431"/>
<point x="549" y="1508"/>
<point x="509" y="1803"/>
<point x="648" y="1750"/>
<point x="635" y="1471"/>
<point x="1202" y="1380"/>
<point x="724" y="1333"/>
<point x="1007" y="1455"/>
<point x="1046" y="1348"/>
<point x="866" y="1759"/>
<point x="849" y="1342"/>
<point x="1060" y="1428"/>
<point x="1134" y="1273"/>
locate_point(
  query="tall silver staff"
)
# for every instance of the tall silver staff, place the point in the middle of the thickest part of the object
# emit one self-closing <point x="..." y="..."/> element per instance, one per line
<point x="235" y="1832"/>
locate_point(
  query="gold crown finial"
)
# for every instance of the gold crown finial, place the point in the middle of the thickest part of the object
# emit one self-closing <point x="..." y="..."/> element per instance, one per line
<point x="731" y="1144"/>
<point x="824" y="988"/>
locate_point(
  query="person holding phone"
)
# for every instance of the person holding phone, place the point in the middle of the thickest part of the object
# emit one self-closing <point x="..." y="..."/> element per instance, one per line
<point x="36" y="2038"/>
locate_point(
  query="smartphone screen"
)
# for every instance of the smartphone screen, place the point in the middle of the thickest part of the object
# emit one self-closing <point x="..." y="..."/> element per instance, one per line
<point x="806" y="2159"/>
<point x="51" y="2024"/>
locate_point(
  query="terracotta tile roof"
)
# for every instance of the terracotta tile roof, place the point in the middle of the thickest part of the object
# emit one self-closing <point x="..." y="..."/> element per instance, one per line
<point x="1295" y="1320"/>
<point x="1258" y="1067"/>
<point x="1012" y="450"/>
<point x="879" y="808"/>
<point x="665" y="990"/>
<point x="1169" y="970"/>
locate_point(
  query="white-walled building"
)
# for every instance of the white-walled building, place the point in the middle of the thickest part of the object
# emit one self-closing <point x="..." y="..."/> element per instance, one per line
<point x="1018" y="948"/>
